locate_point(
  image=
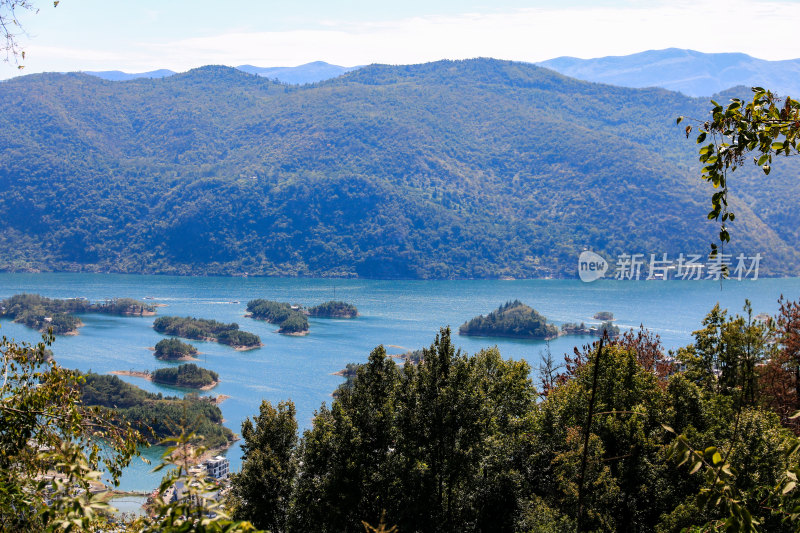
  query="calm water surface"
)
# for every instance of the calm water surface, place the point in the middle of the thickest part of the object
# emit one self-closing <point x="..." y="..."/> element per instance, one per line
<point x="401" y="315"/>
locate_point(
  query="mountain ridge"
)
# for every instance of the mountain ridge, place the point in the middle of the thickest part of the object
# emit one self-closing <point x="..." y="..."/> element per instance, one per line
<point x="688" y="71"/>
<point x="453" y="169"/>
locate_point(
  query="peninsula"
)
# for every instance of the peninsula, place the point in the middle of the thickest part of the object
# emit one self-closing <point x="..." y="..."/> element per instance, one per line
<point x="154" y="414"/>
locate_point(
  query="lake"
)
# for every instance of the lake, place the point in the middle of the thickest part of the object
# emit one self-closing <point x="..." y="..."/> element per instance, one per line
<point x="401" y="315"/>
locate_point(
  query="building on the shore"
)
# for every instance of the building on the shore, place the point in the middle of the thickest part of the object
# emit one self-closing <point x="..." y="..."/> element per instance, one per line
<point x="217" y="467"/>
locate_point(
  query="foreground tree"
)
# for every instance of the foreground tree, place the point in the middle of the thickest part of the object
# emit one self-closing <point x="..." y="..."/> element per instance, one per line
<point x="11" y="29"/>
<point x="261" y="492"/>
<point x="51" y="446"/>
<point x="768" y="125"/>
<point x="435" y="445"/>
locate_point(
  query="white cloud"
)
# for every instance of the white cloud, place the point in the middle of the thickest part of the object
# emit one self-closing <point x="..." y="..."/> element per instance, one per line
<point x="528" y="35"/>
<point x="762" y="29"/>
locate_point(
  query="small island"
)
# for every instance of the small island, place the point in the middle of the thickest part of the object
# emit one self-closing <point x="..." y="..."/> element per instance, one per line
<point x="512" y="319"/>
<point x="290" y="319"/>
<point x="43" y="314"/>
<point x="187" y="375"/>
<point x="333" y="309"/>
<point x="207" y="330"/>
<point x="605" y="316"/>
<point x="175" y="350"/>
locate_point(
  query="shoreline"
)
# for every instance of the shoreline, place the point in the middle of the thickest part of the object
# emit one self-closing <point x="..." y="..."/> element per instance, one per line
<point x="240" y="348"/>
<point x="138" y="313"/>
<point x="518" y="337"/>
<point x="294" y="333"/>
<point x="336" y="317"/>
<point x="289" y="333"/>
<point x="218" y="399"/>
<point x="181" y="358"/>
<point x="70" y="333"/>
<point x="192" y="459"/>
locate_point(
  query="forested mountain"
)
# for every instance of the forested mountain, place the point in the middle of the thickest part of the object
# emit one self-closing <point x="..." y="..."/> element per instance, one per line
<point x="688" y="71"/>
<point x="479" y="168"/>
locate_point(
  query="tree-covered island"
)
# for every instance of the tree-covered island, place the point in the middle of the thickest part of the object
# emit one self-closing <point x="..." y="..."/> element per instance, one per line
<point x="605" y="316"/>
<point x="512" y="319"/>
<point x="188" y="375"/>
<point x="207" y="330"/>
<point x="40" y="313"/>
<point x="291" y="320"/>
<point x="174" y="350"/>
<point x="333" y="309"/>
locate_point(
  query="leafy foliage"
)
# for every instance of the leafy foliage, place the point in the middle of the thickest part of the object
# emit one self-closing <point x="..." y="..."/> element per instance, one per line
<point x="262" y="491"/>
<point x="512" y="319"/>
<point x="52" y="445"/>
<point x="767" y="125"/>
<point x="457" y="443"/>
<point x="185" y="501"/>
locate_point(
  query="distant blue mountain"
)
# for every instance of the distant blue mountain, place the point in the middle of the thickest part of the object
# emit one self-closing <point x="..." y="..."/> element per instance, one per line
<point x="308" y="73"/>
<point x="687" y="71"/>
<point x="118" y="75"/>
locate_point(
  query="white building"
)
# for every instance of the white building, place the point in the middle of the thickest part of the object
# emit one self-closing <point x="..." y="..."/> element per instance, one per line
<point x="217" y="467"/>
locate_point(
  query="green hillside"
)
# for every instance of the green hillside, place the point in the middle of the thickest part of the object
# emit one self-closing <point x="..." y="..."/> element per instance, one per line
<point x="468" y="169"/>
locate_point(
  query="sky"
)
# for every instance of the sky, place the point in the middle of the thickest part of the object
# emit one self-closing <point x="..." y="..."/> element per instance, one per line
<point x="143" y="35"/>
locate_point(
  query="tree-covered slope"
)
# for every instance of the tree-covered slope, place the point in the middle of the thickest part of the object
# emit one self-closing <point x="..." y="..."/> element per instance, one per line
<point x="477" y="168"/>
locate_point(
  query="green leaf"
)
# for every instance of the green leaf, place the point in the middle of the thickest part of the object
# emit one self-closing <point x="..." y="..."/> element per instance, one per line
<point x="763" y="160"/>
<point x="702" y="137"/>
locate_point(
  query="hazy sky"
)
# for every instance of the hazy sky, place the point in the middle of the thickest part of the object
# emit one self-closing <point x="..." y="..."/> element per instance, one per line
<point x="141" y="35"/>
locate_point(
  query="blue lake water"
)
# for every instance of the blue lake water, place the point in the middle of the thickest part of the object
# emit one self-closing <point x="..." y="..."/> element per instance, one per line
<point x="401" y="315"/>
